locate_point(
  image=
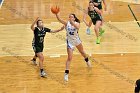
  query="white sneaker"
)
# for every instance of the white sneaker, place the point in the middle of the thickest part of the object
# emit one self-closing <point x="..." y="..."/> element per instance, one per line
<point x="66" y="77"/>
<point x="43" y="74"/>
<point x="88" y="31"/>
<point x="88" y="64"/>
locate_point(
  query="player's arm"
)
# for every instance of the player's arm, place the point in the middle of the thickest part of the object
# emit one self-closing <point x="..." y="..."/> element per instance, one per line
<point x="54" y="31"/>
<point x="84" y="20"/>
<point x="88" y="23"/>
<point x="105" y="5"/>
<point x="60" y="20"/>
<point x="33" y="24"/>
<point x="98" y="11"/>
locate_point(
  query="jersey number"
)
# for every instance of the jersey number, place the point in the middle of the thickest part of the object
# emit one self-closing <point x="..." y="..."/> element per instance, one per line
<point x="71" y="33"/>
<point x="41" y="39"/>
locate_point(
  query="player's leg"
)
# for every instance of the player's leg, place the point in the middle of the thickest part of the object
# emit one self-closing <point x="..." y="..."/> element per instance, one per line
<point x="81" y="50"/>
<point x="96" y="28"/>
<point x="35" y="56"/>
<point x="34" y="59"/>
<point x="101" y="30"/>
<point x="69" y="58"/>
<point x="41" y="59"/>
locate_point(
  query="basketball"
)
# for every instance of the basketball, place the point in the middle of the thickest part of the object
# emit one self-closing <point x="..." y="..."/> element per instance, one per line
<point x="55" y="9"/>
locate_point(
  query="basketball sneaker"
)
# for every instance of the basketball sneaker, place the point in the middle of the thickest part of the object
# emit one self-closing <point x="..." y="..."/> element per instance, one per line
<point x="43" y="74"/>
<point x="66" y="77"/>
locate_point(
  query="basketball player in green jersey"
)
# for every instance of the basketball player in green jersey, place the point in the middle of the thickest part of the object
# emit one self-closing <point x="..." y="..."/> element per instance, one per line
<point x="96" y="18"/>
<point x="98" y="4"/>
<point x="38" y="42"/>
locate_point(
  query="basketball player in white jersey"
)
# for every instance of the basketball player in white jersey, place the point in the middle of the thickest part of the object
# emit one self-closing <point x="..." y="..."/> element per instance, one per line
<point x="72" y="26"/>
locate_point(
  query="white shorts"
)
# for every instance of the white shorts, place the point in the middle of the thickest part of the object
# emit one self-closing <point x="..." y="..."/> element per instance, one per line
<point x="72" y="43"/>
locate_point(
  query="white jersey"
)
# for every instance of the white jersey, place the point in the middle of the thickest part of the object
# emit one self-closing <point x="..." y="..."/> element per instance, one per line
<point x="72" y="32"/>
<point x="72" y="36"/>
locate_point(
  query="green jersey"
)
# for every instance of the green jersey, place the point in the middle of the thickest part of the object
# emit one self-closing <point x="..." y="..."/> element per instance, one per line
<point x="39" y="35"/>
<point x="99" y="3"/>
<point x="94" y="16"/>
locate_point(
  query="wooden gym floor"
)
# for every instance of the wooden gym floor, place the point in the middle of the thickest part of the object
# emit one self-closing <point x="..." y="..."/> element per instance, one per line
<point x="115" y="61"/>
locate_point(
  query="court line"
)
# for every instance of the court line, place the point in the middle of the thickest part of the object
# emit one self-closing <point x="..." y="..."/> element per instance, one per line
<point x="56" y="46"/>
<point x="133" y="15"/>
<point x="64" y="54"/>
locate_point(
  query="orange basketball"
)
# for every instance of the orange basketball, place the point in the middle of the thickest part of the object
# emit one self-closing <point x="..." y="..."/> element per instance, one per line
<point x="55" y="9"/>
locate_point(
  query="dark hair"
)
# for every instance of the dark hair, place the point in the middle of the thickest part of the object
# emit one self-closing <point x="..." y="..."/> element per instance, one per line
<point x="90" y="1"/>
<point x="76" y="19"/>
<point x="38" y="22"/>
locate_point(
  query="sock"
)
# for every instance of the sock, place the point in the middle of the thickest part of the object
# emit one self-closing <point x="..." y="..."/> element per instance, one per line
<point x="41" y="70"/>
<point x="34" y="59"/>
<point x="36" y="55"/>
<point x="86" y="59"/>
<point x="67" y="71"/>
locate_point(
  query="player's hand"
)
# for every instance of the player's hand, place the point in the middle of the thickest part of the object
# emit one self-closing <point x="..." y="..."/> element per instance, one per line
<point x="71" y="21"/>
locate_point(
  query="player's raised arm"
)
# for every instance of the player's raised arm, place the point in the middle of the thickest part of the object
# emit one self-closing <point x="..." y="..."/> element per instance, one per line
<point x="55" y="10"/>
<point x="54" y="31"/>
<point x="33" y="24"/>
<point x="60" y="20"/>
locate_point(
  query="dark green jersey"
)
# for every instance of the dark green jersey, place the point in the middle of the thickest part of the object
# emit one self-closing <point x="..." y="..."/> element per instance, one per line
<point x="99" y="3"/>
<point x="39" y="36"/>
<point x="93" y="14"/>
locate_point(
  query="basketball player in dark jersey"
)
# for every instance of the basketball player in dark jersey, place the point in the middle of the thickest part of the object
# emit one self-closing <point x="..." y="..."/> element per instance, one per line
<point x="96" y="19"/>
<point x="137" y="86"/>
<point x="98" y="4"/>
<point x="39" y="34"/>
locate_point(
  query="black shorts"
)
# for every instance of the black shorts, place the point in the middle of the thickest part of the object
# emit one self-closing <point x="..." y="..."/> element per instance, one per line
<point x="95" y="20"/>
<point x="38" y="49"/>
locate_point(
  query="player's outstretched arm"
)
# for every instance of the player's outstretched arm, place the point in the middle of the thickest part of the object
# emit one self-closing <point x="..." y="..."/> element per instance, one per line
<point x="54" y="31"/>
<point x="60" y="20"/>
